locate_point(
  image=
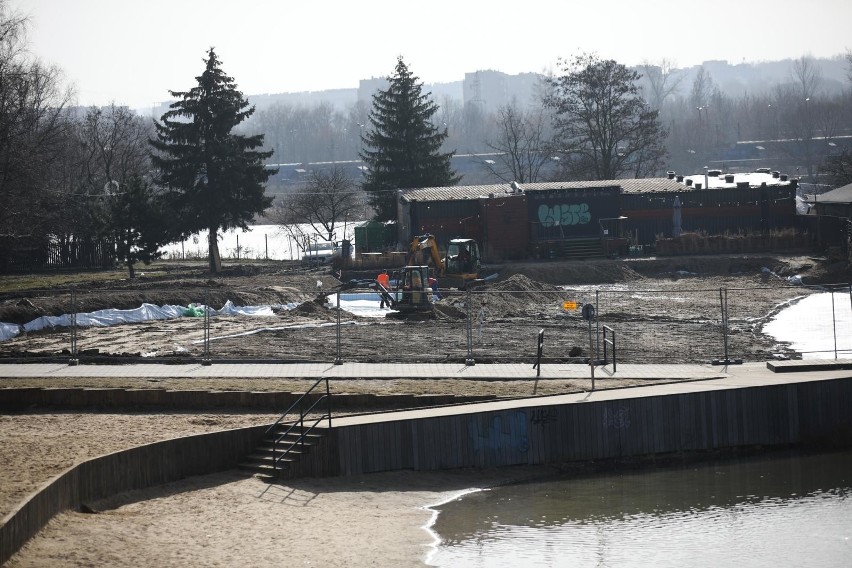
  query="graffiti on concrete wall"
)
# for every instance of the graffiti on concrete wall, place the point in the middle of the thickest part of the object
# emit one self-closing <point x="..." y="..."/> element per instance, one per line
<point x="564" y="214"/>
<point x="499" y="432"/>
<point x="617" y="419"/>
<point x="542" y="416"/>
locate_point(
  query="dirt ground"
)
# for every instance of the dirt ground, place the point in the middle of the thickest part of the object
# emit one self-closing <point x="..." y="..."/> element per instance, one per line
<point x="663" y="310"/>
<point x="666" y="310"/>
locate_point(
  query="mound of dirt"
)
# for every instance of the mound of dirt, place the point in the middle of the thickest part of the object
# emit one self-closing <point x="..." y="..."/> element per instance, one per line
<point x="571" y="272"/>
<point x="518" y="296"/>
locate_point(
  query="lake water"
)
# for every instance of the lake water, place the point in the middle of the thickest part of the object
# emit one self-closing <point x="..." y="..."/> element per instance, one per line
<point x="816" y="325"/>
<point x="784" y="509"/>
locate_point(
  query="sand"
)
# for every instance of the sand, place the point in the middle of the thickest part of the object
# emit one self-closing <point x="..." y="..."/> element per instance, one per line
<point x="223" y="519"/>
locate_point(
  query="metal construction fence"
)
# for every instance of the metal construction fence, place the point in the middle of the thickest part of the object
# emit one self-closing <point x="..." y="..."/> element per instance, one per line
<point x="670" y="324"/>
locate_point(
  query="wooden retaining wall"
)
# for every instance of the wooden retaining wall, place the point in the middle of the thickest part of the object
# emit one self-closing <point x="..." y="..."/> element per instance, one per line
<point x="812" y="413"/>
<point x="135" y="468"/>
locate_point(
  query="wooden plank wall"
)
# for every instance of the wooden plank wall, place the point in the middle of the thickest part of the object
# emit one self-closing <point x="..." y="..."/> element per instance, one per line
<point x="798" y="413"/>
<point x="136" y="468"/>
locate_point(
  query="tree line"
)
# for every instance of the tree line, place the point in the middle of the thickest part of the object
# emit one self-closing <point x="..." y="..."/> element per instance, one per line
<point x="70" y="175"/>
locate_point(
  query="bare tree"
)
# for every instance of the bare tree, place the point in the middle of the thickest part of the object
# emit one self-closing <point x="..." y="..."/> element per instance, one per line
<point x="519" y="149"/>
<point x="328" y="199"/>
<point x="807" y="75"/>
<point x="603" y="127"/>
<point x="33" y="126"/>
<point x="848" y="56"/>
<point x="663" y="81"/>
<point x="703" y="89"/>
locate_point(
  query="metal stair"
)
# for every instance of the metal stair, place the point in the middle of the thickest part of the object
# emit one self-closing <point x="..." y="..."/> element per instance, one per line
<point x="293" y="435"/>
<point x="289" y="449"/>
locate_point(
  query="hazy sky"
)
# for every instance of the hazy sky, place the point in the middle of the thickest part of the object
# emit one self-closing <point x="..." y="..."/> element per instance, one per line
<point x="133" y="52"/>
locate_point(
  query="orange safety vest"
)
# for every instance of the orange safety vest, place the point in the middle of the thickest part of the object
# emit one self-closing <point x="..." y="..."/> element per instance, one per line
<point x="383" y="280"/>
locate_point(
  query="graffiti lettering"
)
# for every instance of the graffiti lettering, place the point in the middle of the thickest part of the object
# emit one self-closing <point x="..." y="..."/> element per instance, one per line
<point x="564" y="214"/>
<point x="543" y="416"/>
<point x="499" y="432"/>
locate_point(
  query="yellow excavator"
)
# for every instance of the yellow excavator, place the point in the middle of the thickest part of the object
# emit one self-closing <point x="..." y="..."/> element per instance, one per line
<point x="461" y="265"/>
<point x="412" y="297"/>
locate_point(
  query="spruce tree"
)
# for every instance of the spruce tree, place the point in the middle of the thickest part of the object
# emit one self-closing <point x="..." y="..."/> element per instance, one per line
<point x="217" y="176"/>
<point x="402" y="149"/>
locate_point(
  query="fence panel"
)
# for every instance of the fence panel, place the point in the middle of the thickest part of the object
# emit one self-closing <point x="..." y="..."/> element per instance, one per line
<point x="490" y="323"/>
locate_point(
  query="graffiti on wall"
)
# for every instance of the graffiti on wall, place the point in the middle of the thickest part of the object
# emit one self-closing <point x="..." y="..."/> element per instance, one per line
<point x="499" y="432"/>
<point x="617" y="419"/>
<point x="564" y="214"/>
<point x="542" y="416"/>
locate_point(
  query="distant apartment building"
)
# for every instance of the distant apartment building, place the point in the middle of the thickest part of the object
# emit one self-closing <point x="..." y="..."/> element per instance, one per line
<point x="489" y="90"/>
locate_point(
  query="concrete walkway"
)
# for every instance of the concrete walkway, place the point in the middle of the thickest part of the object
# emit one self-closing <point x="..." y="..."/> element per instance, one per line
<point x="480" y="372"/>
<point x="748" y="372"/>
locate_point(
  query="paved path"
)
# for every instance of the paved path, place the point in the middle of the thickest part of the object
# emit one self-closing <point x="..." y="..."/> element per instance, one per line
<point x="692" y="378"/>
<point x="731" y="374"/>
<point x="499" y="371"/>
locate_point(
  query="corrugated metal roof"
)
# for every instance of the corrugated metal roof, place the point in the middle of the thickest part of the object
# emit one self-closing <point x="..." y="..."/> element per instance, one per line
<point x="628" y="186"/>
<point x="840" y="195"/>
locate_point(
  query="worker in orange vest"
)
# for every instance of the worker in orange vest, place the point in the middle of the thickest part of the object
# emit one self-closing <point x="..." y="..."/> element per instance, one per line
<point x="384" y="280"/>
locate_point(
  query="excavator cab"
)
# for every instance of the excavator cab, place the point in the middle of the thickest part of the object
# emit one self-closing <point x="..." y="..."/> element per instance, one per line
<point x="463" y="261"/>
<point x="412" y="296"/>
<point x="415" y="294"/>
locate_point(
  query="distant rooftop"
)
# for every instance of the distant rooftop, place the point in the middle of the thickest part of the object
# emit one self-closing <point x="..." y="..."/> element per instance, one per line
<point x="627" y="186"/>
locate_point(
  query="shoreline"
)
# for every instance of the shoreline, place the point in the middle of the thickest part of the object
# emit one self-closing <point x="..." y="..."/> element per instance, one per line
<point x="229" y="518"/>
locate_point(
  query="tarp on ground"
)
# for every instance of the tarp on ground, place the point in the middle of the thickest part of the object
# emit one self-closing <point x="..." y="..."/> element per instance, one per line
<point x="145" y="312"/>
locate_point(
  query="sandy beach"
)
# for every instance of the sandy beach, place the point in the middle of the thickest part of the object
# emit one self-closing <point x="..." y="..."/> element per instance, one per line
<point x="223" y="519"/>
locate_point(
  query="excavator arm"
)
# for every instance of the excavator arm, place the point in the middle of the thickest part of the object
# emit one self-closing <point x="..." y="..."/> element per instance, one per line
<point x="426" y="242"/>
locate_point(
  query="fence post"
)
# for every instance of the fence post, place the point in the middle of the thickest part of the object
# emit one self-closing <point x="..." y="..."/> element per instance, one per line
<point x="205" y="359"/>
<point x="469" y="361"/>
<point x="723" y="306"/>
<point x="73" y="360"/>
<point x="597" y="323"/>
<point x="539" y="351"/>
<point x="338" y="360"/>
<point x="834" y="323"/>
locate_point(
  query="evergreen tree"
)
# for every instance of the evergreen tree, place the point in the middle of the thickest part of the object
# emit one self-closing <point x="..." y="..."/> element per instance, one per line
<point x="217" y="176"/>
<point x="402" y="149"/>
<point x="140" y="223"/>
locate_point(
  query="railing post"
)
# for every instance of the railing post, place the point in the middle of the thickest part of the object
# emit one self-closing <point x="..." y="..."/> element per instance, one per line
<point x="328" y="397"/>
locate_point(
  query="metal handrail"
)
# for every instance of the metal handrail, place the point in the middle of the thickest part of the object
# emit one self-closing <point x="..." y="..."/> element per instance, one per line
<point x="609" y="342"/>
<point x="302" y="412"/>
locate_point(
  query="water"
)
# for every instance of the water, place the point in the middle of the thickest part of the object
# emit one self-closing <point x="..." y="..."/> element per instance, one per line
<point x="780" y="510"/>
<point x="816" y="325"/>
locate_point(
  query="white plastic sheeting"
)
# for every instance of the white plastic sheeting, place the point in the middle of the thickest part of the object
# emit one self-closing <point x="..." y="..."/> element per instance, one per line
<point x="145" y="312"/>
<point x="362" y="304"/>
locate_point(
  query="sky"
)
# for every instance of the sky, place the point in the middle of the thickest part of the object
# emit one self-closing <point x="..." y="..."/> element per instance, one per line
<point x="134" y="52"/>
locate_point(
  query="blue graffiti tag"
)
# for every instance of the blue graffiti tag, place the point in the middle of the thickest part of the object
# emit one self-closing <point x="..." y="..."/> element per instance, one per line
<point x="500" y="433"/>
<point x="565" y="214"/>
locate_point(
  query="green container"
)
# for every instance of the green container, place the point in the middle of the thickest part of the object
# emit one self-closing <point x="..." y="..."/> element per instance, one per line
<point x="375" y="236"/>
